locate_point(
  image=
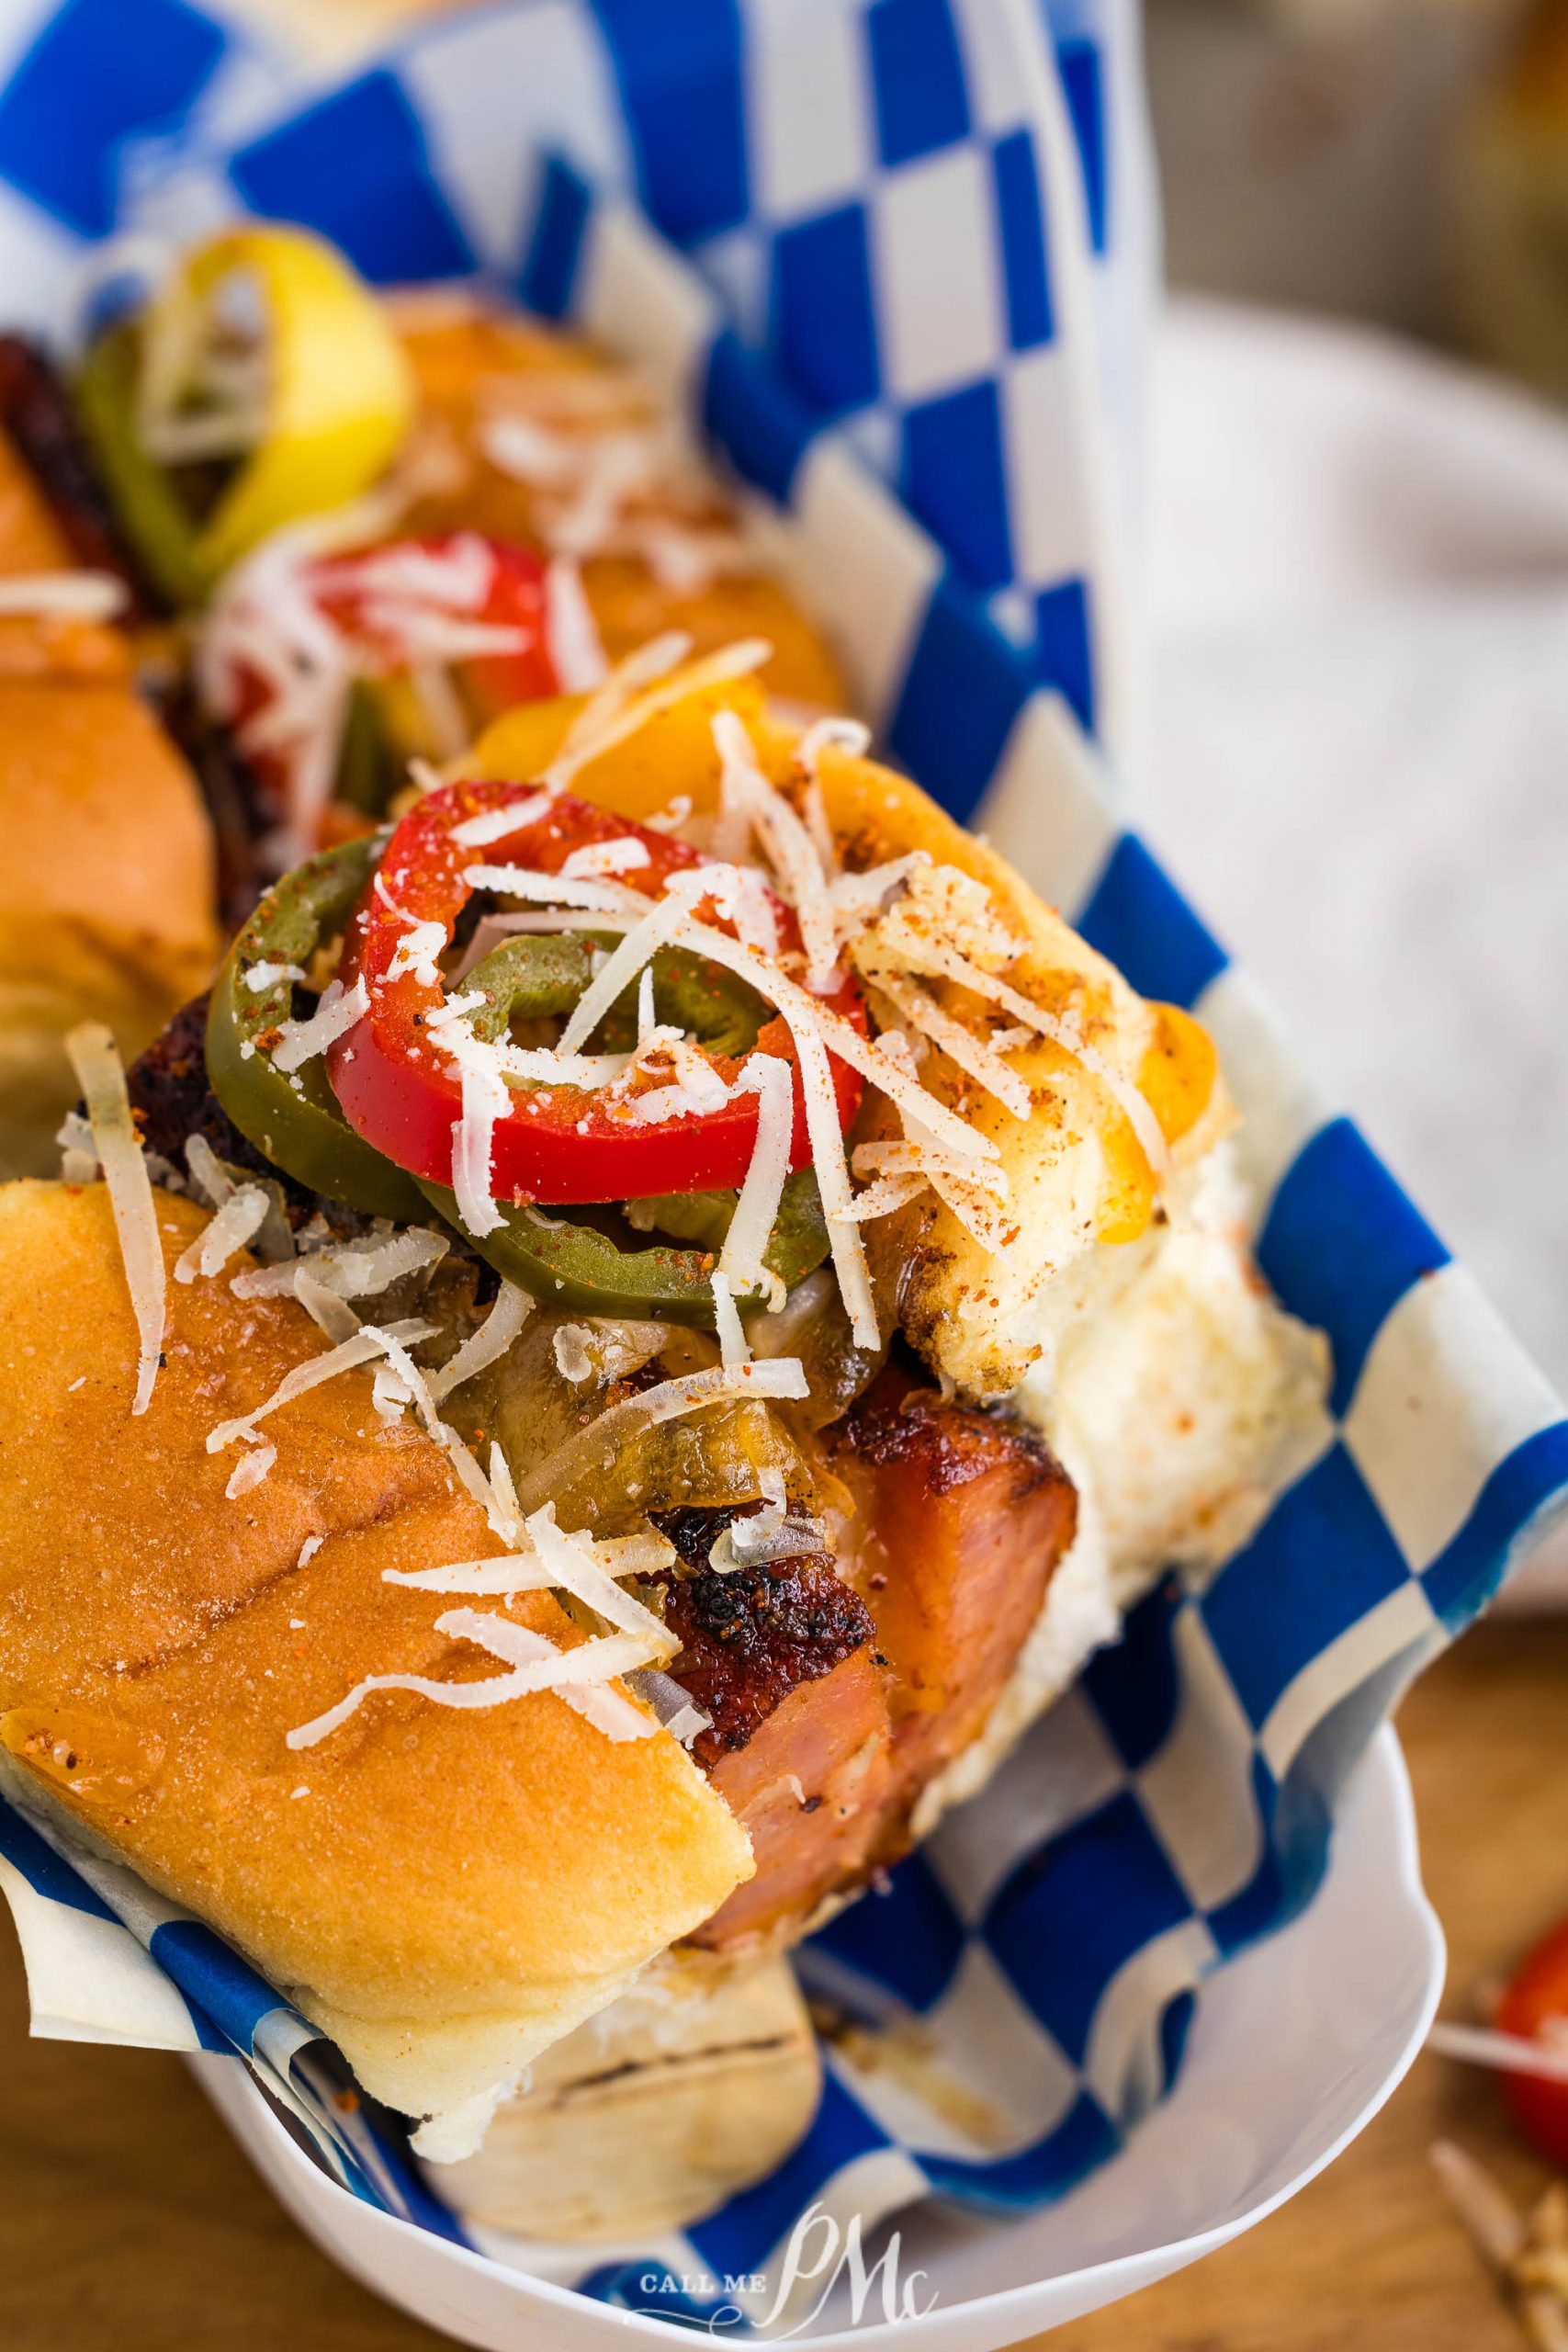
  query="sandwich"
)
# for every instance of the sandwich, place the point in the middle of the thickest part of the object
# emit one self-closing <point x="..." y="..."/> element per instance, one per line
<point x="387" y="519"/>
<point x="106" y="891"/>
<point x="592" y="1389"/>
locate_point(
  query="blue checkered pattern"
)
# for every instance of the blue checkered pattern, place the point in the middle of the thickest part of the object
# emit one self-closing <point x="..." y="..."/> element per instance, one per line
<point x="100" y="98"/>
<point x="1178" y="1804"/>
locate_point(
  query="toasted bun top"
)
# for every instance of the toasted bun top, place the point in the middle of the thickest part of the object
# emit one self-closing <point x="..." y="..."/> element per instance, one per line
<point x="423" y="1876"/>
<point x="104" y="829"/>
<point x="1077" y="1175"/>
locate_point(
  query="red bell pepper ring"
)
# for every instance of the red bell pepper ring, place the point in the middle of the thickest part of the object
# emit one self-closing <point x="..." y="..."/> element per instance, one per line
<point x="361" y="594"/>
<point x="559" y="1144"/>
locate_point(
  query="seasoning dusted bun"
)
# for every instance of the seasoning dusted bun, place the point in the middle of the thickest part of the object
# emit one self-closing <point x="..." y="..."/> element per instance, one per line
<point x="1110" y="1094"/>
<point x="445" y="1892"/>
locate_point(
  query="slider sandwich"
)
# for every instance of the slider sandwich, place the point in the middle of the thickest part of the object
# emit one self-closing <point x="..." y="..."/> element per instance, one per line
<point x="559" y="1419"/>
<point x="387" y="519"/>
<point x="106" y="884"/>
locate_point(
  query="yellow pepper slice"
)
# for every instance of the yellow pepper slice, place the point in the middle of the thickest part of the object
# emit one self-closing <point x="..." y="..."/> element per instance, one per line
<point x="340" y="392"/>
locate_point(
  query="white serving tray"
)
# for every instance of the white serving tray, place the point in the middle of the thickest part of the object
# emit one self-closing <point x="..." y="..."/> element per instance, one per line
<point x="1294" y="2048"/>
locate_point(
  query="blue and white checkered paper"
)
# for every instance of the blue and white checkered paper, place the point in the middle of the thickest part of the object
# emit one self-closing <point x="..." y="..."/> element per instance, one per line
<point x="1179" y="1803"/>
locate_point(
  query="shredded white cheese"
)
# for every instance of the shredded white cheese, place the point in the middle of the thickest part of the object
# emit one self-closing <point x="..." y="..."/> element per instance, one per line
<point x="614" y="726"/>
<point x="326" y="1310"/>
<point x="495" y="824"/>
<point x="470" y="1477"/>
<point x="787" y="842"/>
<point x="644" y="938"/>
<point x="101" y="1076"/>
<point x="339" y="1009"/>
<point x="249" y="1470"/>
<point x="689" y="1392"/>
<point x="63" y="595"/>
<point x="208" y="1173"/>
<point x="740" y="1261"/>
<point x="359" y="1349"/>
<point x="241" y="1217"/>
<point x="971" y="1054"/>
<point x="488" y="1345"/>
<point x="569" y="1348"/>
<point x="349" y="1268"/>
<point x="535" y="1666"/>
<point x="78" y="1158"/>
<point x="417" y="952"/>
<point x="576" y="651"/>
<point x="732" y="1348"/>
<point x="551" y="889"/>
<point x="265" y="975"/>
<point x="679" y="1713"/>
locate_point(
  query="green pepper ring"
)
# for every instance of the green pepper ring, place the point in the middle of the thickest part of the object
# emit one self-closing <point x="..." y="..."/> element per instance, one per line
<point x="147" y="505"/>
<point x="579" y="1268"/>
<point x="298" y="1126"/>
<point x="539" y="974"/>
<point x="304" y="1132"/>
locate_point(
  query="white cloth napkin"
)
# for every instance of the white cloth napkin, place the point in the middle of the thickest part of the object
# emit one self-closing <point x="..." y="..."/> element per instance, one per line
<point x="1357" y="754"/>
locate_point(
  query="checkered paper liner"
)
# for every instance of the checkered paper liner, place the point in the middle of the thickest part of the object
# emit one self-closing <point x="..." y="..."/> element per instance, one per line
<point x="1179" y="1803"/>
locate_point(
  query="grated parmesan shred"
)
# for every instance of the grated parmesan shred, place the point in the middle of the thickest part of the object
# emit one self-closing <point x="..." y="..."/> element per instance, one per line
<point x="208" y="1173"/>
<point x="242" y="1216"/>
<point x="787" y="843"/>
<point x="569" y="1348"/>
<point x="470" y="1477"/>
<point x="973" y="1055"/>
<point x="348" y="1357"/>
<point x="535" y="1664"/>
<point x="613" y="724"/>
<point x="769" y="1077"/>
<point x="63" y="595"/>
<point x="349" y="1268"/>
<point x="689" y="1392"/>
<point x="101" y="1076"/>
<point x="326" y="1310"/>
<point x="674" y="1706"/>
<point x="338" y="1013"/>
<point x="249" y="1470"/>
<point x="495" y="824"/>
<point x="732" y="1348"/>
<point x="487" y="1346"/>
<point x="577" y="651"/>
<point x="553" y="889"/>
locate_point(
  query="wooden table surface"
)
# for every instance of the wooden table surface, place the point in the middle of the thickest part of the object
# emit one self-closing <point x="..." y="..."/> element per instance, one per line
<point x="129" y="2222"/>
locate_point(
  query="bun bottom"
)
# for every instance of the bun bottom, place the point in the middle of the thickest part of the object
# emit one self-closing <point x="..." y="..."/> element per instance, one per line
<point x="693" y="2085"/>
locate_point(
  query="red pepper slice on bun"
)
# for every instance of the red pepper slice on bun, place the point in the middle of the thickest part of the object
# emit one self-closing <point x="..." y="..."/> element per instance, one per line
<point x="558" y="1143"/>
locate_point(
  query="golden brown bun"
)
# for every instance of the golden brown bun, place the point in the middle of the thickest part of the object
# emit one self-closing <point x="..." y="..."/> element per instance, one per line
<point x="453" y="1889"/>
<point x="31" y="540"/>
<point x="105" y="891"/>
<point x="460" y="357"/>
<point x="1077" y="1173"/>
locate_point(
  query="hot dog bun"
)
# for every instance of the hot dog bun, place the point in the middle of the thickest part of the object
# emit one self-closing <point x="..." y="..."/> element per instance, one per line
<point x="444" y="1892"/>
